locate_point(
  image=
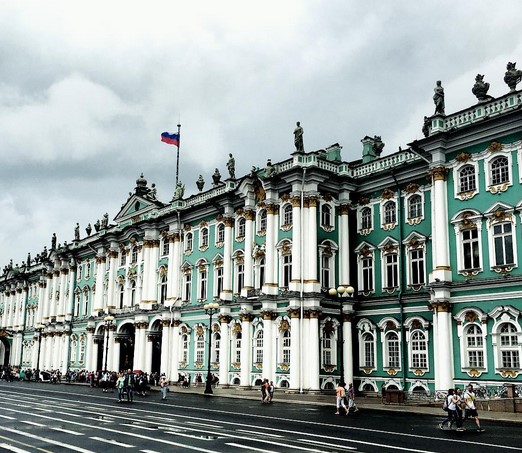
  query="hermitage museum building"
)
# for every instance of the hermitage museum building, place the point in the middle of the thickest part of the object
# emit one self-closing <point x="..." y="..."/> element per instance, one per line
<point x="397" y="271"/>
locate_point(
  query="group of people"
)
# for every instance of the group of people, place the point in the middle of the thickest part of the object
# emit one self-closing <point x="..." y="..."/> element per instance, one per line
<point x="267" y="391"/>
<point x="460" y="406"/>
<point x="345" y="399"/>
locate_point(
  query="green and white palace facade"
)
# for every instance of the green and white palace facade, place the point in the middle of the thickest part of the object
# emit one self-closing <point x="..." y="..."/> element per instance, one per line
<point x="428" y="238"/>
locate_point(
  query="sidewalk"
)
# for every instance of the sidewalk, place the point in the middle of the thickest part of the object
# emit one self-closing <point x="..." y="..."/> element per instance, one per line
<point x="369" y="403"/>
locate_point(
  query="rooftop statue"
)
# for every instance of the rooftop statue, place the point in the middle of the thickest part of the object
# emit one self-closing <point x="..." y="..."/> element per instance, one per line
<point x="53" y="242"/>
<point x="77" y="232"/>
<point x="270" y="169"/>
<point x="426" y="126"/>
<point x="298" y="137"/>
<point x="153" y="193"/>
<point x="438" y="98"/>
<point x="512" y="76"/>
<point x="216" y="177"/>
<point x="377" y="145"/>
<point x="88" y="229"/>
<point x="231" y="166"/>
<point x="480" y="89"/>
<point x="180" y="191"/>
<point x="97" y="225"/>
<point x="200" y="183"/>
<point x="105" y="220"/>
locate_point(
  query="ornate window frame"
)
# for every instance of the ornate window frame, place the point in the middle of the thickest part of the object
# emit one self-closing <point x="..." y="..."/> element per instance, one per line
<point x="415" y="243"/>
<point x="489" y="161"/>
<point x="464" y="160"/>
<point x="238" y="259"/>
<point x="284" y="249"/>
<point x="466" y="318"/>
<point x="327" y="216"/>
<point x="202" y="284"/>
<point x="284" y="340"/>
<point x="327" y="251"/>
<point x="261" y="221"/>
<point x="363" y="213"/>
<point x="505" y="314"/>
<point x="367" y="336"/>
<point x="240" y="229"/>
<point x="390" y="326"/>
<point x="418" y="325"/>
<point x="286" y="216"/>
<point x="220" y="234"/>
<point x="365" y="252"/>
<point x="390" y="247"/>
<point x="497" y="215"/>
<point x="463" y="221"/>
<point x="414" y="220"/>
<point x="329" y="341"/>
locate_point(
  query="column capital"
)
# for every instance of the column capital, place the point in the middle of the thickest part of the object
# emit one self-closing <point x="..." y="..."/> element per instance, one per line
<point x="438" y="173"/>
<point x="246" y="317"/>
<point x="440" y="306"/>
<point x="294" y="312"/>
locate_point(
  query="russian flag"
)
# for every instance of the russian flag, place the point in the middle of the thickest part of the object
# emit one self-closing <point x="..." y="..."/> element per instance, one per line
<point x="171" y="139"/>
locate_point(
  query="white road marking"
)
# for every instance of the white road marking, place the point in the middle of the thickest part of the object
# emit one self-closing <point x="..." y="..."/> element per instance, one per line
<point x="46" y="439"/>
<point x="134" y="425"/>
<point x="13" y="448"/>
<point x="257" y="432"/>
<point x="27" y="422"/>
<point x="7" y="417"/>
<point x="112" y="442"/>
<point x="244" y="447"/>
<point x="67" y="431"/>
<point x="204" y="424"/>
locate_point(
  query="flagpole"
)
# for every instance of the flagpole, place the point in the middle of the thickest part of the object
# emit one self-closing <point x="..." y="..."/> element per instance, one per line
<point x="177" y="156"/>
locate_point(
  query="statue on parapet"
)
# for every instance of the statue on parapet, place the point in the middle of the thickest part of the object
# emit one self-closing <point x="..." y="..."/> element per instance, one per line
<point x="53" y="242"/>
<point x="88" y="229"/>
<point x="97" y="225"/>
<point x="200" y="183"/>
<point x="270" y="169"/>
<point x="105" y="221"/>
<point x="231" y="166"/>
<point x="426" y="126"/>
<point x="480" y="89"/>
<point x="298" y="137"/>
<point x="77" y="232"/>
<point x="438" y="98"/>
<point x="512" y="76"/>
<point x="216" y="178"/>
<point x="180" y="191"/>
<point x="153" y="193"/>
<point x="377" y="145"/>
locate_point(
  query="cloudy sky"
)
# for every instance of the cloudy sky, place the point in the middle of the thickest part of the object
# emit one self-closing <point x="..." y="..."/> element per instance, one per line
<point x="86" y="88"/>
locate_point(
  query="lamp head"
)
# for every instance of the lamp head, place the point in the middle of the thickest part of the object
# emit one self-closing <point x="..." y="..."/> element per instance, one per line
<point x="332" y="292"/>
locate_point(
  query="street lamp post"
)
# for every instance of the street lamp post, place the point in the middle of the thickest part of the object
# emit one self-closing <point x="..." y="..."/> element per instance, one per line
<point x="38" y="328"/>
<point x="342" y="292"/>
<point x="210" y="310"/>
<point x="108" y="320"/>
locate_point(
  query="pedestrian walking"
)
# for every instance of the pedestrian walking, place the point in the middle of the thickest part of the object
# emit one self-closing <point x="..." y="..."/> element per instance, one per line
<point x="350" y="395"/>
<point x="340" y="395"/>
<point x="470" y="407"/>
<point x="120" y="385"/>
<point x="164" y="386"/>
<point x="130" y="383"/>
<point x="446" y="407"/>
<point x="271" y="389"/>
<point x="455" y="408"/>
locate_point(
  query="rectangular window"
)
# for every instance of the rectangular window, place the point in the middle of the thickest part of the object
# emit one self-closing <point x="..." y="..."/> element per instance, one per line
<point x="218" y="286"/>
<point x="392" y="270"/>
<point x="287" y="270"/>
<point x="476" y="359"/>
<point x="470" y="246"/>
<point x="417" y="267"/>
<point x="325" y="271"/>
<point x="503" y="243"/>
<point x="240" y="278"/>
<point x="510" y="359"/>
<point x="367" y="274"/>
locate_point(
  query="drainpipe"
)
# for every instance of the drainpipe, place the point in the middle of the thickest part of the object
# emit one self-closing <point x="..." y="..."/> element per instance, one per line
<point x="301" y="289"/>
<point x="402" y="282"/>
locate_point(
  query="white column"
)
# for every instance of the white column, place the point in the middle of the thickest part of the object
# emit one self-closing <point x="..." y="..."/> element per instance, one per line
<point x="344" y="247"/>
<point x="174" y="269"/>
<point x="268" y="349"/>
<point x="174" y="348"/>
<point x="149" y="343"/>
<point x="440" y="233"/>
<point x="224" y="353"/>
<point x="52" y="295"/>
<point x="100" y="274"/>
<point x="166" y="331"/>
<point x="249" y="264"/>
<point x="112" y="256"/>
<point x="140" y="345"/>
<point x="271" y="285"/>
<point x="69" y="303"/>
<point x="348" y="348"/>
<point x="45" y="305"/>
<point x="227" y="260"/>
<point x="246" y="348"/>
<point x="60" y="314"/>
<point x="295" y="349"/>
<point x="110" y="352"/>
<point x="115" y="364"/>
<point x="66" y="343"/>
<point x="311" y="238"/>
<point x="295" y="283"/>
<point x="152" y="275"/>
<point x="89" y="346"/>
<point x="306" y="350"/>
<point x="313" y="364"/>
<point x="443" y="346"/>
<point x="144" y="303"/>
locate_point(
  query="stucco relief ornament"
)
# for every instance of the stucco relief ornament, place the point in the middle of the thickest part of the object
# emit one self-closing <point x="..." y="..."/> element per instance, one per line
<point x="512" y="76"/>
<point x="463" y="157"/>
<point x="412" y="187"/>
<point x="387" y="194"/>
<point x="495" y="146"/>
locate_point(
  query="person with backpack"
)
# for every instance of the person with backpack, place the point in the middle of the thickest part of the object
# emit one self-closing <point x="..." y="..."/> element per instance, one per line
<point x="471" y="409"/>
<point x="445" y="407"/>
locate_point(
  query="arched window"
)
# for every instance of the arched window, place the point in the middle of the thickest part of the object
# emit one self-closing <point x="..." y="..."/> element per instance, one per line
<point x="390" y="212"/>
<point x="204" y="237"/>
<point x="499" y="170"/>
<point x="236" y="349"/>
<point x="121" y="295"/>
<point x="189" y="242"/>
<point x="165" y="248"/>
<point x="467" y="179"/>
<point x="414" y="207"/>
<point x="220" y="233"/>
<point x="262" y="220"/>
<point x="163" y="289"/>
<point x="134" y="254"/>
<point x="285" y="347"/>
<point x="258" y="347"/>
<point x="326" y="215"/>
<point x="368" y="359"/>
<point x="123" y="257"/>
<point x="77" y="303"/>
<point x="187" y="285"/>
<point x="184" y="348"/>
<point x="327" y="348"/>
<point x="200" y="348"/>
<point x="287" y="214"/>
<point x="366" y="219"/>
<point x="286" y="270"/>
<point x="203" y="278"/>
<point x="260" y="272"/>
<point x="217" y="347"/>
<point x="326" y="270"/>
<point x="392" y="351"/>
<point x="218" y="280"/>
<point x="474" y="344"/>
<point x="241" y="226"/>
<point x="509" y="348"/>
<point x="240" y="276"/>
<point x="133" y="293"/>
<point x="419" y="350"/>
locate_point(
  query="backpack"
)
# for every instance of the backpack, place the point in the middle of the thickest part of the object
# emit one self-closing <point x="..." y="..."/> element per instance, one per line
<point x="445" y="404"/>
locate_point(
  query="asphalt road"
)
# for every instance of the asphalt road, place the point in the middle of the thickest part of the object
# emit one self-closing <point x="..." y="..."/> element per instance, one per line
<point x="61" y="418"/>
